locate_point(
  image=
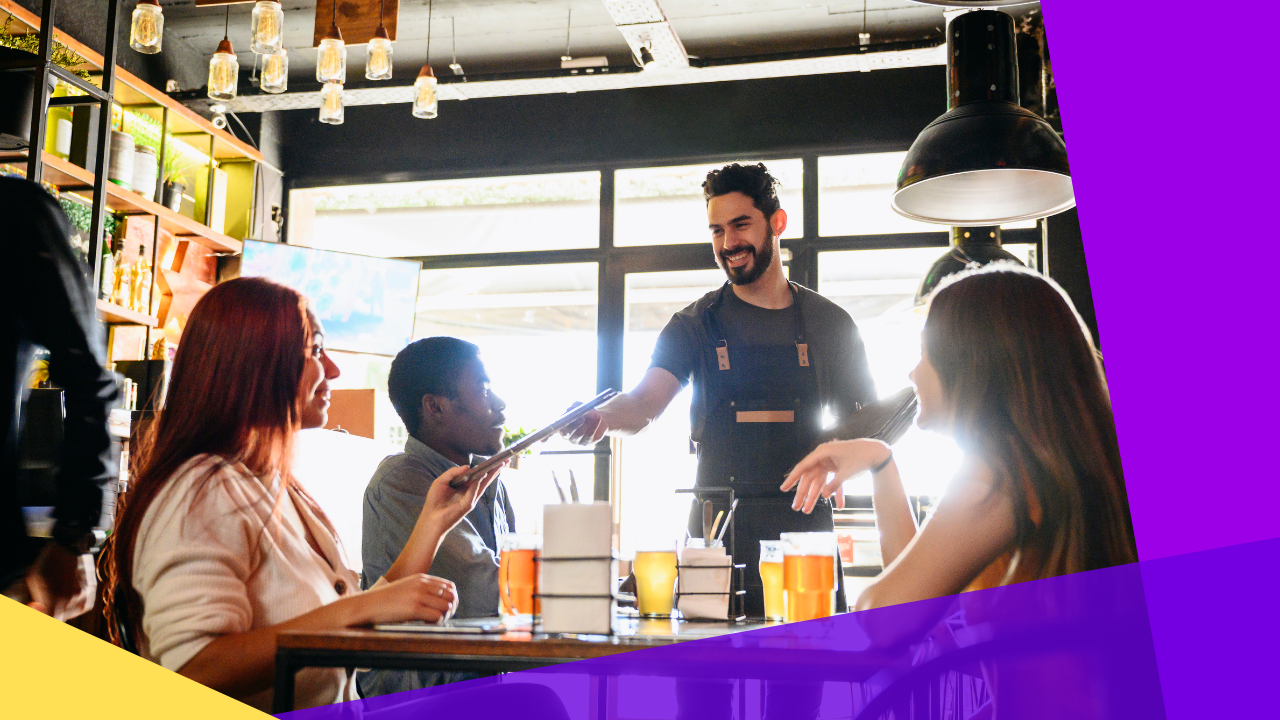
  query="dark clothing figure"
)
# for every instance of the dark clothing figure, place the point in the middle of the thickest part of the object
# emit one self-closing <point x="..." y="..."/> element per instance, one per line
<point x="763" y="382"/>
<point x="49" y="302"/>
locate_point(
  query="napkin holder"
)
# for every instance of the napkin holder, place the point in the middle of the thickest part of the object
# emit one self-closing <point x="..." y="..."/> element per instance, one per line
<point x="709" y="585"/>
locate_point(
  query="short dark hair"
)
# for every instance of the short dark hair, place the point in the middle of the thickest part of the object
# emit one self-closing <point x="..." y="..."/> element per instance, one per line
<point x="754" y="181"/>
<point x="430" y="366"/>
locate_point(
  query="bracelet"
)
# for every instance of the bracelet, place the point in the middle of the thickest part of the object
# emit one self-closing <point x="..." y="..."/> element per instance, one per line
<point x="877" y="468"/>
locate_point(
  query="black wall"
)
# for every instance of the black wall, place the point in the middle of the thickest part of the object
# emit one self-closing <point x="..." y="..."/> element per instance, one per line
<point x="852" y="112"/>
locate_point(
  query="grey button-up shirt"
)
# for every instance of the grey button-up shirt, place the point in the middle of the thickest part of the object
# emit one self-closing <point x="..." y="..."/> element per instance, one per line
<point x="468" y="555"/>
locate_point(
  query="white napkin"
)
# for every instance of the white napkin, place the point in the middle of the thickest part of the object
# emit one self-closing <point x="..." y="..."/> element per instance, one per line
<point x="704" y="571"/>
<point x="577" y="530"/>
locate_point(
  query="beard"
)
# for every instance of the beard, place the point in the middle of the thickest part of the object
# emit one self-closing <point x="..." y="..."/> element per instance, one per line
<point x="747" y="274"/>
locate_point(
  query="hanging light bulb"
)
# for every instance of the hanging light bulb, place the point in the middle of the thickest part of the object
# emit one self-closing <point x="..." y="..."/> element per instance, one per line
<point x="275" y="72"/>
<point x="147" y="29"/>
<point x="224" y="69"/>
<point x="331" y="104"/>
<point x="331" y="60"/>
<point x="378" y="62"/>
<point x="268" y="27"/>
<point x="425" y="101"/>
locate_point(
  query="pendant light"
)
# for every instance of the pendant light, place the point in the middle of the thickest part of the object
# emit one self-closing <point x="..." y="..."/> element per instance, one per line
<point x="268" y="27"/>
<point x="146" y="31"/>
<point x="331" y="59"/>
<point x="986" y="161"/>
<point x="331" y="111"/>
<point x="224" y="69"/>
<point x="275" y="72"/>
<point x="425" y="101"/>
<point x="970" y="247"/>
<point x="377" y="64"/>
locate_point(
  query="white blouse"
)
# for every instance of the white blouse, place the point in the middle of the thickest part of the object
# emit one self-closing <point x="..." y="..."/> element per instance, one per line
<point x="219" y="552"/>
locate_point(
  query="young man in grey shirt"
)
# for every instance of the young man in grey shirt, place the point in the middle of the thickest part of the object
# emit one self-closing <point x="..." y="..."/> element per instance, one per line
<point x="441" y="391"/>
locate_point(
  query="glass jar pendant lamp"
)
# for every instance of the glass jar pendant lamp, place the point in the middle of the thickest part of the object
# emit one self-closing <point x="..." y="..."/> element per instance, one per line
<point x="275" y="72"/>
<point x="146" y="31"/>
<point x="331" y="59"/>
<point x="224" y="69"/>
<point x="425" y="101"/>
<point x="268" y="27"/>
<point x="378" y="61"/>
<point x="331" y="111"/>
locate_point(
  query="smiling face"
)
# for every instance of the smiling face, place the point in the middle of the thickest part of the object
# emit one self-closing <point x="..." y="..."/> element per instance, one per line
<point x="933" y="403"/>
<point x="743" y="240"/>
<point x="470" y="422"/>
<point x="318" y="370"/>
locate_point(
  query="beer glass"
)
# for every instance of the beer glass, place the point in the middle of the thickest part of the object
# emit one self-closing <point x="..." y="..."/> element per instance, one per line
<point x="518" y="575"/>
<point x="808" y="575"/>
<point x="655" y="572"/>
<point x="771" y="574"/>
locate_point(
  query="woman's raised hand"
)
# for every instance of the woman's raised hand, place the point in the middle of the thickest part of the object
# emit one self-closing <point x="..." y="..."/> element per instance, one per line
<point x="824" y="470"/>
<point x="446" y="506"/>
<point x="415" y="597"/>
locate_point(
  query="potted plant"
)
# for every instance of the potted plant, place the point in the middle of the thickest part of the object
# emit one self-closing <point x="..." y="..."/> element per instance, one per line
<point x="511" y="437"/>
<point x="175" y="180"/>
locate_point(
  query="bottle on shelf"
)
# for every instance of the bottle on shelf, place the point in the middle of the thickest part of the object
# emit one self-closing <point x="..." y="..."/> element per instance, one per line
<point x="123" y="280"/>
<point x="140" y="286"/>
<point x="108" y="278"/>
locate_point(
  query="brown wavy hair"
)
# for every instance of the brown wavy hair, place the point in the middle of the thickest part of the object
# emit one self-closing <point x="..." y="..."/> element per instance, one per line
<point x="1028" y="395"/>
<point x="233" y="393"/>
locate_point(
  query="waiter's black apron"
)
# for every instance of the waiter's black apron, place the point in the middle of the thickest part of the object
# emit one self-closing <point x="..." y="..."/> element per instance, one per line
<point x="763" y="415"/>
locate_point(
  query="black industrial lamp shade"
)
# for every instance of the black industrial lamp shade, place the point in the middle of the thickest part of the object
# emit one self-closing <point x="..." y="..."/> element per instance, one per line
<point x="986" y="160"/>
<point x="970" y="246"/>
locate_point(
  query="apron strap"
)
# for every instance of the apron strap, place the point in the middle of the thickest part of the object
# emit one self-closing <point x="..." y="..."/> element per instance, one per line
<point x="720" y="339"/>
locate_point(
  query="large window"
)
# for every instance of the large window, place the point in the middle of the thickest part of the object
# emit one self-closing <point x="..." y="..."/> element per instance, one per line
<point x="664" y="205"/>
<point x="450" y="217"/>
<point x="544" y="327"/>
<point x="657" y="462"/>
<point x="854" y="195"/>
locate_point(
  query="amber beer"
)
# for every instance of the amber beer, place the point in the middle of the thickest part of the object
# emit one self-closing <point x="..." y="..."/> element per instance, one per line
<point x="518" y="575"/>
<point x="655" y="572"/>
<point x="808" y="575"/>
<point x="771" y="573"/>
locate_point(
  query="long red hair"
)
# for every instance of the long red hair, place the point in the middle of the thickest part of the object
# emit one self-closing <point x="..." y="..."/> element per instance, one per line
<point x="233" y="393"/>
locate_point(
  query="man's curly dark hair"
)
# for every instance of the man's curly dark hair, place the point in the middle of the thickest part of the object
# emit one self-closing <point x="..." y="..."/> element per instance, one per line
<point x="754" y="181"/>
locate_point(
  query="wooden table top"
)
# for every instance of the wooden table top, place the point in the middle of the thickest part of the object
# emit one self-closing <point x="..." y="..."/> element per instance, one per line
<point x="816" y="654"/>
<point x="513" y="643"/>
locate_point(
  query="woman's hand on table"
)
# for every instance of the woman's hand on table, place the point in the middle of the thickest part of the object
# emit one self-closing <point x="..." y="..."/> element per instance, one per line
<point x="838" y="460"/>
<point x="415" y="597"/>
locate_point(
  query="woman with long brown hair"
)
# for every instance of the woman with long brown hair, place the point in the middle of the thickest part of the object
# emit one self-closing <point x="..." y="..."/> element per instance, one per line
<point x="1009" y="370"/>
<point x="217" y="547"/>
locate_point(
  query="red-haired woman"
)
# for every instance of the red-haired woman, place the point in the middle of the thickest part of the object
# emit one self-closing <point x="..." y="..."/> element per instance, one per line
<point x="217" y="547"/>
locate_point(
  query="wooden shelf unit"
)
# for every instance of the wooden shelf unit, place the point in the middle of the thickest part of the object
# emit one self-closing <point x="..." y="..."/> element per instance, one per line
<point x="133" y="93"/>
<point x="181" y="122"/>
<point x="69" y="177"/>
<point x="113" y="314"/>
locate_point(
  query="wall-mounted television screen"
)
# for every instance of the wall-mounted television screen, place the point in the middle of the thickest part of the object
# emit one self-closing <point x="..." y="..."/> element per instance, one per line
<point x="367" y="304"/>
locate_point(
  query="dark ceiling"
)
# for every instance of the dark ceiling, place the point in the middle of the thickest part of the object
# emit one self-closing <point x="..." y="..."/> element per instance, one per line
<point x="501" y="36"/>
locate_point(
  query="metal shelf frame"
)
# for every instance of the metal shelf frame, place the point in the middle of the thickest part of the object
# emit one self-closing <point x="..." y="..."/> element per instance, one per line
<point x="43" y="68"/>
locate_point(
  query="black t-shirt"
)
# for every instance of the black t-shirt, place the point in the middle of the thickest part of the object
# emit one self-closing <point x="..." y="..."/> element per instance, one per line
<point x="685" y="350"/>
